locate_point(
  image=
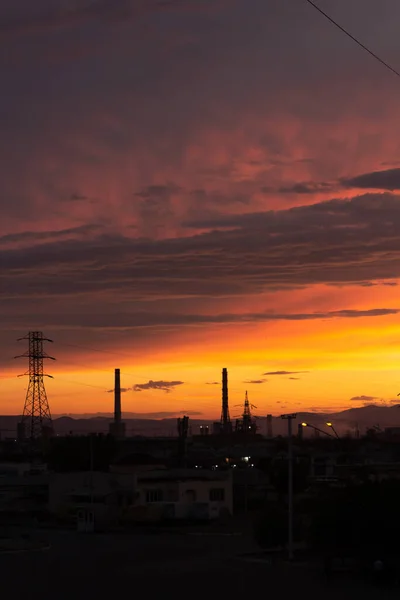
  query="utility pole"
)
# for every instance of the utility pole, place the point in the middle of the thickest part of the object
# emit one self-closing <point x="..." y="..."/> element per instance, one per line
<point x="36" y="418"/>
<point x="289" y="419"/>
<point x="91" y="470"/>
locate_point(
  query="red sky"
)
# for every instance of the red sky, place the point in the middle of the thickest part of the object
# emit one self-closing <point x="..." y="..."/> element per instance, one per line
<point x="200" y="185"/>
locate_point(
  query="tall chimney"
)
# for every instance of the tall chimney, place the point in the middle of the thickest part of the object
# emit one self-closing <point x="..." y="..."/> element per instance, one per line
<point x="117" y="396"/>
<point x="225" y="419"/>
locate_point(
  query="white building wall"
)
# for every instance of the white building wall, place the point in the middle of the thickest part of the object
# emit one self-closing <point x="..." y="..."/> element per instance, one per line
<point x="190" y="497"/>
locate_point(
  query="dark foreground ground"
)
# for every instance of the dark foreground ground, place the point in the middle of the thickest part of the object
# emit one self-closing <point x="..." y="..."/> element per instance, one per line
<point x="79" y="566"/>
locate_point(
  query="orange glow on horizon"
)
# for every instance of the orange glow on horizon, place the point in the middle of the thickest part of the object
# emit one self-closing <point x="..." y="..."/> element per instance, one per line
<point x="329" y="361"/>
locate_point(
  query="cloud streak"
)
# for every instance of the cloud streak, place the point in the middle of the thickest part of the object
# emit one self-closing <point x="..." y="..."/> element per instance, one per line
<point x="388" y="179"/>
<point x="165" y="386"/>
<point x="339" y="242"/>
<point x="284" y="372"/>
<point x="143" y="320"/>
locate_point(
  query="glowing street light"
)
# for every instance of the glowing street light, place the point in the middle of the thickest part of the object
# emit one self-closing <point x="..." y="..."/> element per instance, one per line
<point x="329" y="424"/>
<point x="318" y="429"/>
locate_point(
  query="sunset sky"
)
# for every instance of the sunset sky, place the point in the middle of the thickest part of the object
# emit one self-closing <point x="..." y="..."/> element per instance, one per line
<point x="198" y="184"/>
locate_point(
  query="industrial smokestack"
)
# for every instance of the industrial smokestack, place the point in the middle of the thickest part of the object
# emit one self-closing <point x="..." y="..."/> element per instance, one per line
<point x="224" y="394"/>
<point x="225" y="418"/>
<point x="117" y="396"/>
<point x="117" y="428"/>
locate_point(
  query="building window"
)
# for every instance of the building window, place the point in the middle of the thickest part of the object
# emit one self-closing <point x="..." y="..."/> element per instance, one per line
<point x="217" y="495"/>
<point x="154" y="496"/>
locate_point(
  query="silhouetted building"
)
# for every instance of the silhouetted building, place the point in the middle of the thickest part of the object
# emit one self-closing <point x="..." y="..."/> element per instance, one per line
<point x="269" y="426"/>
<point x="194" y="494"/>
<point x="97" y="500"/>
<point x="183" y="430"/>
<point x="300" y="431"/>
<point x="204" y="430"/>
<point x="217" y="428"/>
<point x="23" y="489"/>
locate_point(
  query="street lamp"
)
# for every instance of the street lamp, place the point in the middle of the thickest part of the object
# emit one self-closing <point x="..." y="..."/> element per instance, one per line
<point x="317" y="429"/>
<point x="329" y="424"/>
<point x="289" y="419"/>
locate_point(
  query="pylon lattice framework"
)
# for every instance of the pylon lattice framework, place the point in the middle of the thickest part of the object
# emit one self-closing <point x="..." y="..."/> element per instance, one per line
<point x="36" y="413"/>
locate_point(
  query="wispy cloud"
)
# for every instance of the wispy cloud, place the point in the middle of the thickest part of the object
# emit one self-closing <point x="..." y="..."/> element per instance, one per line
<point x="387" y="179"/>
<point x="165" y="386"/>
<point x="123" y="390"/>
<point x="364" y="398"/>
<point x="364" y="227"/>
<point x="285" y="373"/>
<point x="255" y="381"/>
<point x="307" y="187"/>
<point x="142" y="320"/>
<point x="162" y="414"/>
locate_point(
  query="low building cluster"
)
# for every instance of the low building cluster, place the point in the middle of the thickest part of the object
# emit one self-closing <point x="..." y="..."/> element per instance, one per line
<point x="119" y="497"/>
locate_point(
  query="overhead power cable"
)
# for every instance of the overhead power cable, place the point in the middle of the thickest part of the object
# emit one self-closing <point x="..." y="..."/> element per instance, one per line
<point x="352" y="37"/>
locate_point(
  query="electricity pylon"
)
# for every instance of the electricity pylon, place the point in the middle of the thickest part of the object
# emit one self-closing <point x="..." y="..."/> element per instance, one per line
<point x="36" y="418"/>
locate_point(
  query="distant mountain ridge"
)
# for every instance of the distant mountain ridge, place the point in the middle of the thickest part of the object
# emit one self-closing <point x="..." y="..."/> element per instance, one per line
<point x="349" y="420"/>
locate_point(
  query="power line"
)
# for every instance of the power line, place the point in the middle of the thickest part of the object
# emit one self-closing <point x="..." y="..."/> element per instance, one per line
<point x="81" y="383"/>
<point x="352" y="37"/>
<point x="95" y="349"/>
<point x="56" y="379"/>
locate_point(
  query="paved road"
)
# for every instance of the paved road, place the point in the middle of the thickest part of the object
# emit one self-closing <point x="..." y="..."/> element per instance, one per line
<point x="85" y="566"/>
